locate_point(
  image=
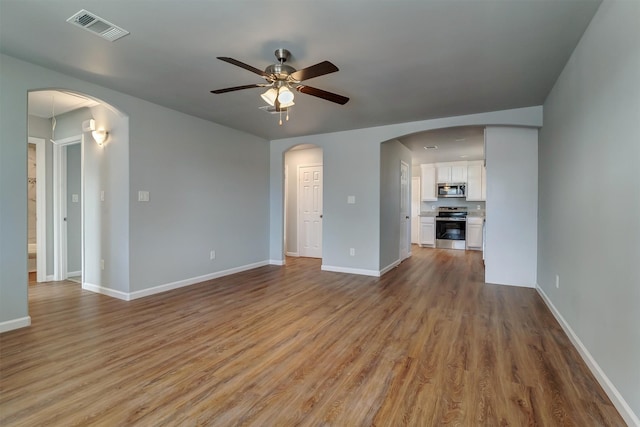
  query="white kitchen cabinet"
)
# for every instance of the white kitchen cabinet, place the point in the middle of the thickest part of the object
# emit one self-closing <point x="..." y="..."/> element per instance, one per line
<point x="474" y="233"/>
<point x="459" y="173"/>
<point x="452" y="172"/>
<point x="476" y="182"/>
<point x="427" y="231"/>
<point x="428" y="183"/>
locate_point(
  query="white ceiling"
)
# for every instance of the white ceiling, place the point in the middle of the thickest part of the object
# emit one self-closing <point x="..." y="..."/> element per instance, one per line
<point x="399" y="61"/>
<point x="453" y="144"/>
<point x="47" y="103"/>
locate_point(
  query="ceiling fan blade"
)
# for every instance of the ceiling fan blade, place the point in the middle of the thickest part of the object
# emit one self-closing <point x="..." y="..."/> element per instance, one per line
<point x="329" y="96"/>
<point x="243" y="65"/>
<point x="320" y="69"/>
<point x="231" y="89"/>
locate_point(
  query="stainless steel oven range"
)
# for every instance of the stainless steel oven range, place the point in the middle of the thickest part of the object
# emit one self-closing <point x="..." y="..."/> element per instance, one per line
<point x="451" y="226"/>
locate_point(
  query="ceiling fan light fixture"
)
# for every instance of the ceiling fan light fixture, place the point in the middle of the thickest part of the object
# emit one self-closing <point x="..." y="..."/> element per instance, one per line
<point x="285" y="96"/>
<point x="270" y="96"/>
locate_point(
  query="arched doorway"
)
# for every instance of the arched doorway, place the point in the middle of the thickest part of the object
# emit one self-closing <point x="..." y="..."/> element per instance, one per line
<point x="80" y="191"/>
<point x="303" y="201"/>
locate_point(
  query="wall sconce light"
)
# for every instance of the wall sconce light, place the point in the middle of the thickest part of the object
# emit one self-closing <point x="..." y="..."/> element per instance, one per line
<point x="99" y="135"/>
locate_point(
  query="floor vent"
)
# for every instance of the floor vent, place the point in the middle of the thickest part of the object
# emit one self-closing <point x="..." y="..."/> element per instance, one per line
<point x="98" y="26"/>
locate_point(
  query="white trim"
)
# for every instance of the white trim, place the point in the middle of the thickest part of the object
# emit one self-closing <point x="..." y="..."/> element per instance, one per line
<point x="106" y="291"/>
<point x="170" y="286"/>
<point x="49" y="278"/>
<point x="74" y="273"/>
<point x="10" y="325"/>
<point x="407" y="248"/>
<point x="67" y="141"/>
<point x="359" y="271"/>
<point x="277" y="262"/>
<point x="616" y="398"/>
<point x="295" y="254"/>
<point x="59" y="211"/>
<point x="391" y="266"/>
<point x="194" y="280"/>
<point x="60" y="204"/>
<point x="41" y="207"/>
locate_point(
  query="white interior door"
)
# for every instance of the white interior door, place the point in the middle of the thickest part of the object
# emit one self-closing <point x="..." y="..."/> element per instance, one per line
<point x="310" y="211"/>
<point x="415" y="210"/>
<point x="405" y="204"/>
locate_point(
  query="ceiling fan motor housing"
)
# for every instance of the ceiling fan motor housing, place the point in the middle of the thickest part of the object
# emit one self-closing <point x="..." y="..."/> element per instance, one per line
<point x="280" y="71"/>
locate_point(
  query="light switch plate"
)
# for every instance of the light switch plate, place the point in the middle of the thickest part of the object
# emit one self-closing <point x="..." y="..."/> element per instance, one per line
<point x="74" y="198"/>
<point x="143" y="196"/>
<point x="351" y="200"/>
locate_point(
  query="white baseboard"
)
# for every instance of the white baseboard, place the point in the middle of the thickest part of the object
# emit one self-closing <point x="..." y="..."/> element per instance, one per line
<point x="359" y="271"/>
<point x="74" y="273"/>
<point x="390" y="267"/>
<point x="49" y="278"/>
<point x="292" y="254"/>
<point x="182" y="283"/>
<point x="616" y="398"/>
<point x="277" y="262"/>
<point x="106" y="291"/>
<point x="10" y="325"/>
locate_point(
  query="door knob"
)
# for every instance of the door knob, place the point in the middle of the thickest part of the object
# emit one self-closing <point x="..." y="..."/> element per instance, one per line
<point x="320" y="215"/>
<point x="407" y="217"/>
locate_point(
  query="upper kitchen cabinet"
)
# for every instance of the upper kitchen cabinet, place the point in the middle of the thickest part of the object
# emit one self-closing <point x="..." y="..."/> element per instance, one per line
<point x="476" y="182"/>
<point x="453" y="172"/>
<point x="428" y="183"/>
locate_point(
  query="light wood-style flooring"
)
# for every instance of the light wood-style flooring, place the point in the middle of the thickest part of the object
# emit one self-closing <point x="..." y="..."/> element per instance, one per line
<point x="427" y="344"/>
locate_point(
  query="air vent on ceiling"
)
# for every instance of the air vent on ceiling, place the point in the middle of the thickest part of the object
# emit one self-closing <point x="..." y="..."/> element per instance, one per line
<point x="101" y="27"/>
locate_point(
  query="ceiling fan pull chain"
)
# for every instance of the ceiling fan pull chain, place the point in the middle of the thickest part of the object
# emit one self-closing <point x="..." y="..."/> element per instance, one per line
<point x="280" y="123"/>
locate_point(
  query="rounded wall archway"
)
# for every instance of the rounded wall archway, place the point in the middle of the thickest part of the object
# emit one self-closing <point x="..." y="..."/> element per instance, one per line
<point x="88" y="217"/>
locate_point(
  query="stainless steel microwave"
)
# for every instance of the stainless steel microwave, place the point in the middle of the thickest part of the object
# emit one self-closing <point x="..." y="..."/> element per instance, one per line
<point x="452" y="190"/>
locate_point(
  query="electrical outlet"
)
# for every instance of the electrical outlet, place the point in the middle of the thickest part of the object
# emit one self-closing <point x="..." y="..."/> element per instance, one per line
<point x="212" y="255"/>
<point x="101" y="264"/>
<point x="352" y="251"/>
<point x="557" y="281"/>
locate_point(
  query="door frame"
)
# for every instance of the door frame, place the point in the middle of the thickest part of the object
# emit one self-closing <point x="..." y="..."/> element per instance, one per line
<point x="60" y="271"/>
<point x="299" y="205"/>
<point x="407" y="201"/>
<point x="41" y="207"/>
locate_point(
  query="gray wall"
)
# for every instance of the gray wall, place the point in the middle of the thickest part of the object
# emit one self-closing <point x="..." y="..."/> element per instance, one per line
<point x="589" y="201"/>
<point x="391" y="154"/>
<point x="294" y="159"/>
<point x="208" y="186"/>
<point x="352" y="167"/>
<point x="512" y="206"/>
<point x="74" y="224"/>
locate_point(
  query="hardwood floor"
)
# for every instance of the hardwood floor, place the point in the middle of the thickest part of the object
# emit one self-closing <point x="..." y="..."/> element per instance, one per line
<point x="427" y="344"/>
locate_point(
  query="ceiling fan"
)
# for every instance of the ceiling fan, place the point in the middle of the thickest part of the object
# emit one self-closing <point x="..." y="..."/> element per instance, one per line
<point x="282" y="79"/>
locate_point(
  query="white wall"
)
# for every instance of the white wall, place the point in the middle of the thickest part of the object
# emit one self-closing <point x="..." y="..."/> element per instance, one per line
<point x="511" y="206"/>
<point x="352" y="167"/>
<point x="589" y="211"/>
